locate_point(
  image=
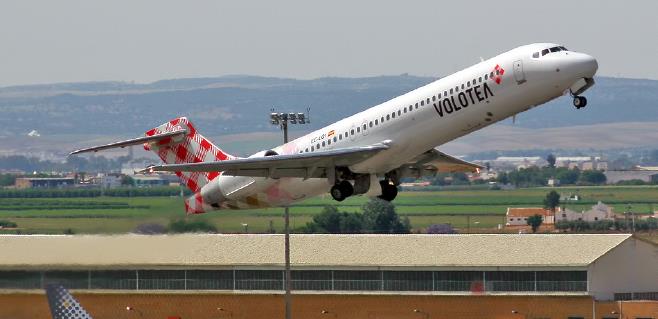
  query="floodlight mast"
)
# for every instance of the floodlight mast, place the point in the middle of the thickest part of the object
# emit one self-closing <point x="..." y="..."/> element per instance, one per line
<point x="282" y="120"/>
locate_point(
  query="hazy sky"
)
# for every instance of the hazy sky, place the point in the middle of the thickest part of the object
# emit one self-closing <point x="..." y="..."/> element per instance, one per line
<point x="131" y="40"/>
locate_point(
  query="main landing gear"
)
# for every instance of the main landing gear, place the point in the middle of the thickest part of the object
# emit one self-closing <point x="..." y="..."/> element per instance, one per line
<point x="389" y="190"/>
<point x="342" y="190"/>
<point x="579" y="102"/>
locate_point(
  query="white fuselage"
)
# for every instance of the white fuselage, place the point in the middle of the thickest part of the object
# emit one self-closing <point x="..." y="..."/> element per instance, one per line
<point x="422" y="119"/>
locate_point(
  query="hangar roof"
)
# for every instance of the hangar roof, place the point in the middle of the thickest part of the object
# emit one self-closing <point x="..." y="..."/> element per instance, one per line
<point x="312" y="251"/>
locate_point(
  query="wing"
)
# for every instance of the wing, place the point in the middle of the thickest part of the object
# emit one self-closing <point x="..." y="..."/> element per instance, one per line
<point x="434" y="161"/>
<point x="305" y="165"/>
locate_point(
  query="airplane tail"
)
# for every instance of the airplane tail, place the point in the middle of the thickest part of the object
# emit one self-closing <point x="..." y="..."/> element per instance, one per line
<point x="190" y="148"/>
<point x="63" y="305"/>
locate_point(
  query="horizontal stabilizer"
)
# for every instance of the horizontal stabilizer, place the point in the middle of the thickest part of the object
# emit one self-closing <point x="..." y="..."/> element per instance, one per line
<point x="163" y="138"/>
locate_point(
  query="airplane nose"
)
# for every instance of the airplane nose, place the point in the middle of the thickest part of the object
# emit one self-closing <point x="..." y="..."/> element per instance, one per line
<point x="586" y="65"/>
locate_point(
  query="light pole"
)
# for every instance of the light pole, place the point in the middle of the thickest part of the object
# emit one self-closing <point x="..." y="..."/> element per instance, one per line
<point x="282" y="120"/>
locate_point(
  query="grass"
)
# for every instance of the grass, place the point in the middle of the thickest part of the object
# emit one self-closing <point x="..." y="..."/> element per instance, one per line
<point x="486" y="208"/>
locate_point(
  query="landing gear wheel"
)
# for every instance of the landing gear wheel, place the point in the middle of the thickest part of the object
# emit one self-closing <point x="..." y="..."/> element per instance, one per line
<point x="341" y="191"/>
<point x="389" y="191"/>
<point x="579" y="102"/>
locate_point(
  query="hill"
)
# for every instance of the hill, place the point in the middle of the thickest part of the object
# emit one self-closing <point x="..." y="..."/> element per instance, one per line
<point x="235" y="105"/>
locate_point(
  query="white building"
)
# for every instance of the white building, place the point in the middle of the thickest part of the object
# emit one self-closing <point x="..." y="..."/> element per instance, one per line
<point x="603" y="266"/>
<point x="598" y="212"/>
<point x="517" y="216"/>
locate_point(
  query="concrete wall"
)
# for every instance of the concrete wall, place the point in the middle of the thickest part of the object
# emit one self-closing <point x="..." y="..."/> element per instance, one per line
<point x="630" y="267"/>
<point x="201" y="305"/>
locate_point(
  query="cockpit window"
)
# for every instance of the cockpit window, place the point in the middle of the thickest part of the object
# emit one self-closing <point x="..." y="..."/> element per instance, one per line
<point x="555" y="49"/>
<point x="564" y="49"/>
<point x="535" y="55"/>
<point x="544" y="52"/>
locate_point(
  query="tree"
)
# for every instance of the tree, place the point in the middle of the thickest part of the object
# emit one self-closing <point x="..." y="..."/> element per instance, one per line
<point x="328" y="221"/>
<point x="592" y="177"/>
<point x="197" y="226"/>
<point x="127" y="180"/>
<point x="551" y="160"/>
<point x="567" y="176"/>
<point x="535" y="221"/>
<point x="552" y="201"/>
<point x="379" y="217"/>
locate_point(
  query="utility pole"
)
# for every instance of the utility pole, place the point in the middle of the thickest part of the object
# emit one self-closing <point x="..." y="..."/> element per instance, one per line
<point x="282" y="120"/>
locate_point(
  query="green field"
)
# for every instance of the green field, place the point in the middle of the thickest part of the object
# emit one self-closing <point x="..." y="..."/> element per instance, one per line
<point x="486" y="209"/>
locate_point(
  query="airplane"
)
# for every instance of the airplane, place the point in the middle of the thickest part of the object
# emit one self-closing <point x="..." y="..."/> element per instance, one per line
<point x="63" y="305"/>
<point x="369" y="152"/>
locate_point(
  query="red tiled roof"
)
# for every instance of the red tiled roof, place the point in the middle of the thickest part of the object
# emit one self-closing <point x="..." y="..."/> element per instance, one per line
<point x="527" y="212"/>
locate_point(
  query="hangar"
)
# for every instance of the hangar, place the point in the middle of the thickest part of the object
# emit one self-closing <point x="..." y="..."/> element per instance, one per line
<point x="594" y="267"/>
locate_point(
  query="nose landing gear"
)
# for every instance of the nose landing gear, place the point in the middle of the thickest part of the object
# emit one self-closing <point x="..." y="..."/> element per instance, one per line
<point x="579" y="102"/>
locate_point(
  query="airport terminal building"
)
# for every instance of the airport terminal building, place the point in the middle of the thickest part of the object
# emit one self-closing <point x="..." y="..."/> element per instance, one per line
<point x="428" y="270"/>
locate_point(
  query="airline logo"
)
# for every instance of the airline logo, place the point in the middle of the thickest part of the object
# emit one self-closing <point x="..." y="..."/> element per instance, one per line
<point x="473" y="95"/>
<point x="498" y="74"/>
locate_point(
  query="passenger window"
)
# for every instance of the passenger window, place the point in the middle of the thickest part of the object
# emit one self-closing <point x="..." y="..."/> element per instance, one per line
<point x="382" y="119"/>
<point x="370" y="124"/>
<point x="352" y="131"/>
<point x="312" y="148"/>
<point x="491" y="75"/>
<point x="393" y="115"/>
<point x="410" y="108"/>
<point x="433" y="98"/>
<point x="340" y="137"/>
<point x="480" y="79"/>
<point x="306" y="150"/>
<point x="544" y="52"/>
<point x="497" y="72"/>
<point x="405" y="109"/>
<point x="365" y="127"/>
<point x="422" y="103"/>
<point x="445" y="93"/>
<point x="335" y="139"/>
<point x="450" y="91"/>
<point x="555" y="49"/>
<point x="376" y="122"/>
<point x="456" y="89"/>
<point x="328" y="142"/>
<point x="462" y="86"/>
<point x="486" y="77"/>
<point x="468" y="84"/>
<point x="317" y="146"/>
<point x="416" y="106"/>
<point x="358" y="129"/>
<point x="474" y="82"/>
<point x="535" y="55"/>
<point x="388" y="117"/>
<point x="428" y="100"/>
<point x="399" y="113"/>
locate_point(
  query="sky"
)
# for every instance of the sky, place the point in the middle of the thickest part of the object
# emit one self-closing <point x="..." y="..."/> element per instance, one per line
<point x="144" y="41"/>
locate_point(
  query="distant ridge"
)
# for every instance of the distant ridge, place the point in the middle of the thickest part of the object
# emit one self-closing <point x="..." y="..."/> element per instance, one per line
<point x="239" y="104"/>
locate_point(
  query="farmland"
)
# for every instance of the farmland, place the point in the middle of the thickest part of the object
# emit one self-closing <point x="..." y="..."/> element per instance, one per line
<point x="485" y="208"/>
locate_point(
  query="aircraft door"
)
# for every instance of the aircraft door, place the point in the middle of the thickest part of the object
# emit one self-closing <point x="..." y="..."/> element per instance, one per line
<point x="519" y="76"/>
